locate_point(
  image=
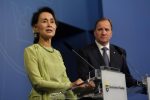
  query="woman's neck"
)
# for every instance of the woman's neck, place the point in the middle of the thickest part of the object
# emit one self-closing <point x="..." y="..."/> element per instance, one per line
<point x="45" y="43"/>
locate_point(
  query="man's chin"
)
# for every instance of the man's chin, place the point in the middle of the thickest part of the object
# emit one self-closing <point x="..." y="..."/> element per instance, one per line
<point x="103" y="42"/>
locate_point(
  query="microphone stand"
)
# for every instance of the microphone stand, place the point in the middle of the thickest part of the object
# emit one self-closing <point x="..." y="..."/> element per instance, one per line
<point x="96" y="79"/>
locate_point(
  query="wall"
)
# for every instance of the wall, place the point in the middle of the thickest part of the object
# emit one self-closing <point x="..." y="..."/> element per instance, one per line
<point x="130" y="22"/>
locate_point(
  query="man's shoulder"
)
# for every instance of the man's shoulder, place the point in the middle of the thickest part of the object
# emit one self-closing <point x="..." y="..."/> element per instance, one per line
<point x="88" y="49"/>
<point x="89" y="46"/>
<point x="116" y="47"/>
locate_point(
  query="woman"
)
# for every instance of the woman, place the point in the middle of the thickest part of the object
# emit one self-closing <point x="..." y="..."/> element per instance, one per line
<point x="44" y="65"/>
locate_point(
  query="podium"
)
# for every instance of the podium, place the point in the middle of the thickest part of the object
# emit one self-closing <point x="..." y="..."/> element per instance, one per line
<point x="113" y="85"/>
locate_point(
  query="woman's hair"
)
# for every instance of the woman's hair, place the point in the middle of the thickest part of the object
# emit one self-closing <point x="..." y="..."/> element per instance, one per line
<point x="35" y="19"/>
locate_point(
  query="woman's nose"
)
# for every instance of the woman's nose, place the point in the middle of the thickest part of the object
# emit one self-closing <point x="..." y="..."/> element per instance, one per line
<point x="48" y="24"/>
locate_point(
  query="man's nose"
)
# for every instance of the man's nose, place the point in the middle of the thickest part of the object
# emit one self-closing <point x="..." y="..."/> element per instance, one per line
<point x="104" y="32"/>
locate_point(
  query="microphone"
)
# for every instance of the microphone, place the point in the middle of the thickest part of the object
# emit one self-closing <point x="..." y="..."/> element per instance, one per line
<point x="70" y="48"/>
<point x="101" y="67"/>
<point x="96" y="78"/>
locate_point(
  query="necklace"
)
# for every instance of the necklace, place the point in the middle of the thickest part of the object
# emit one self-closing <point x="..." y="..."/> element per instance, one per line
<point x="47" y="49"/>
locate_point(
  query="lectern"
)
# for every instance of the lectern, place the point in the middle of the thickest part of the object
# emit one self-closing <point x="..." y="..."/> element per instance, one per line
<point x="112" y="86"/>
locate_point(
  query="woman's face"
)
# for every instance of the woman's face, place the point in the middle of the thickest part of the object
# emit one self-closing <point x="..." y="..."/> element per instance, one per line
<point x="46" y="25"/>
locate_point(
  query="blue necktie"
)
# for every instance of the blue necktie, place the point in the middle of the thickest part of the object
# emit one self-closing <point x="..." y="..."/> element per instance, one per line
<point x="105" y="56"/>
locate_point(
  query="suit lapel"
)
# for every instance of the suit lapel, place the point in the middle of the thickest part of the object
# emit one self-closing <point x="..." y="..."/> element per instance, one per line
<point x="98" y="57"/>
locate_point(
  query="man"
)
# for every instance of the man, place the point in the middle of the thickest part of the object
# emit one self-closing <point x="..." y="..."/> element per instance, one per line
<point x="94" y="53"/>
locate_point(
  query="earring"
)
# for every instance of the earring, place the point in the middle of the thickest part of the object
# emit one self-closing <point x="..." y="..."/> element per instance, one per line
<point x="35" y="34"/>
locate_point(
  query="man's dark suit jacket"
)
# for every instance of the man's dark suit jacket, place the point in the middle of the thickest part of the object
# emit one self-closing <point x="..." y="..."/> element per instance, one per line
<point x="92" y="54"/>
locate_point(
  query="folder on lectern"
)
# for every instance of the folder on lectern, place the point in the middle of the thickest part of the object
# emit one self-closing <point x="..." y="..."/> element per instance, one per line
<point x="113" y="85"/>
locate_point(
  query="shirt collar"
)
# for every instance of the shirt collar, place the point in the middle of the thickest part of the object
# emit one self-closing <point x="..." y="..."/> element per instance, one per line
<point x="101" y="46"/>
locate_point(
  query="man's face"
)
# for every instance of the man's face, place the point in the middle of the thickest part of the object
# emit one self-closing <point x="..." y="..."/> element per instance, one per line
<point x="103" y="32"/>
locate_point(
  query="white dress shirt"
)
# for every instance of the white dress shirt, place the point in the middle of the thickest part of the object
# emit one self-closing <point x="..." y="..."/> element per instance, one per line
<point x="101" y="46"/>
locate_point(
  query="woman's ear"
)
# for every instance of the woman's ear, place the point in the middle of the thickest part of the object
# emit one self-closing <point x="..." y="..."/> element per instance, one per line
<point x="34" y="29"/>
